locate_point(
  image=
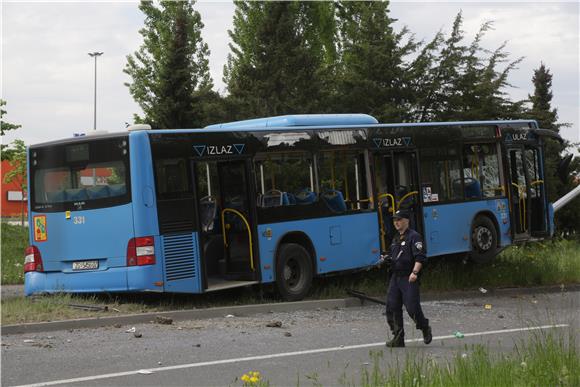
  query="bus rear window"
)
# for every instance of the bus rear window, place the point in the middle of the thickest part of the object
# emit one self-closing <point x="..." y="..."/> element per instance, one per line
<point x="84" y="176"/>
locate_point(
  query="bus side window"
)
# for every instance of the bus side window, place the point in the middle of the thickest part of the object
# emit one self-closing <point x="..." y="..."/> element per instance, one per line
<point x="285" y="179"/>
<point x="342" y="180"/>
<point x="481" y="171"/>
<point x="172" y="178"/>
<point x="441" y="172"/>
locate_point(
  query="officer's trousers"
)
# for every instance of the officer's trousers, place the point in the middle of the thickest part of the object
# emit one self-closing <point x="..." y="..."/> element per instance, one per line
<point x="402" y="292"/>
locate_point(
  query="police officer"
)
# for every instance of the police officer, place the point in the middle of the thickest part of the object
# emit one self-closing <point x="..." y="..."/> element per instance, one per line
<point x="407" y="256"/>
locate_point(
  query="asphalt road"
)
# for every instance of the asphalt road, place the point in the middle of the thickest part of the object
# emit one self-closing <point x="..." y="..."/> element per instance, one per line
<point x="310" y="347"/>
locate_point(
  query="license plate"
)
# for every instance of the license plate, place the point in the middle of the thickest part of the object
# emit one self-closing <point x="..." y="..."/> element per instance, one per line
<point x="85" y="265"/>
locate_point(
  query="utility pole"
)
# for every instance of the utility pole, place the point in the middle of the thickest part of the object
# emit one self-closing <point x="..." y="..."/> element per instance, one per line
<point x="95" y="55"/>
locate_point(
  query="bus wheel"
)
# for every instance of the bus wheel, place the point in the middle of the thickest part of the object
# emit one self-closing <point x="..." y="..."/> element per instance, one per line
<point x="293" y="272"/>
<point x="483" y="240"/>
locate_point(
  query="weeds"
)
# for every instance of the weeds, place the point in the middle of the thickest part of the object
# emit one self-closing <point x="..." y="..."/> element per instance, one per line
<point x="14" y="241"/>
<point x="547" y="359"/>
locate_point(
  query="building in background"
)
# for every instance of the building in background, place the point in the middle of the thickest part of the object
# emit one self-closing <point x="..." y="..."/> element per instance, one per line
<point x="14" y="201"/>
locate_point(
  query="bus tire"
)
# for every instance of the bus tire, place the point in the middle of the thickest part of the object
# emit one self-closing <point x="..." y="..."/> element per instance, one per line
<point x="483" y="240"/>
<point x="293" y="272"/>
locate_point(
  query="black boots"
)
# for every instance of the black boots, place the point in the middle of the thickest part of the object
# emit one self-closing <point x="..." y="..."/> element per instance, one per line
<point x="398" y="340"/>
<point x="427" y="335"/>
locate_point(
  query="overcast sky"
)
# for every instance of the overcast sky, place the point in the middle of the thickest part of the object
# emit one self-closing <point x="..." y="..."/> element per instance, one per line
<point x="48" y="78"/>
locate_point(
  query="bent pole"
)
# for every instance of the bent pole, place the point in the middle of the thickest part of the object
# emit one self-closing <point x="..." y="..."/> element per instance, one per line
<point x="566" y="198"/>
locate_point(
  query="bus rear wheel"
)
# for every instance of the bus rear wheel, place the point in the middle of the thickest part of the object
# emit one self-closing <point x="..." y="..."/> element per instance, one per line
<point x="483" y="240"/>
<point x="293" y="272"/>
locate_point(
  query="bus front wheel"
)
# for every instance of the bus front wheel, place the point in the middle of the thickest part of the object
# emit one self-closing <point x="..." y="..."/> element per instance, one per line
<point x="293" y="272"/>
<point x="483" y="240"/>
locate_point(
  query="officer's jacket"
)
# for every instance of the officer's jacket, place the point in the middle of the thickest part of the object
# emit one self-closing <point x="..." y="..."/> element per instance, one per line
<point x="405" y="250"/>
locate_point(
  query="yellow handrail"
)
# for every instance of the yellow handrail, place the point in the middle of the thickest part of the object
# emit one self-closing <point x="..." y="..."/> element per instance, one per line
<point x="238" y="213"/>
<point x="537" y="182"/>
<point x="522" y="199"/>
<point x="405" y="197"/>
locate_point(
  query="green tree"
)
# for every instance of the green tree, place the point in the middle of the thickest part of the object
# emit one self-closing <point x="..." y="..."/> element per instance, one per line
<point x="373" y="72"/>
<point x="18" y="172"/>
<point x="6" y="152"/>
<point x="281" y="58"/>
<point x="170" y="73"/>
<point x="458" y="81"/>
<point x="567" y="219"/>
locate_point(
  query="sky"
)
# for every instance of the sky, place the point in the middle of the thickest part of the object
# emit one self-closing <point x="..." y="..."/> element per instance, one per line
<point x="47" y="77"/>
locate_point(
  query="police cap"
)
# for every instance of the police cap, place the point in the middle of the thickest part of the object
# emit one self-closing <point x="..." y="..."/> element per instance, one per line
<point x="401" y="214"/>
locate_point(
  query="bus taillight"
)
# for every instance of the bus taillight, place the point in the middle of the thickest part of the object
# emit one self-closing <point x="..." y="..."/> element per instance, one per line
<point x="32" y="259"/>
<point x="141" y="251"/>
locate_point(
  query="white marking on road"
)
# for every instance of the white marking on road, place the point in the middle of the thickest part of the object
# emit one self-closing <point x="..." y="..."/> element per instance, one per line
<point x="276" y="355"/>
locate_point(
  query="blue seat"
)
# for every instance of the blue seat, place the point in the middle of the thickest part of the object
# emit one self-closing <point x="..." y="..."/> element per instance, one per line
<point x="305" y="196"/>
<point x="118" y="189"/>
<point x="98" y="192"/>
<point x="56" y="196"/>
<point x="472" y="188"/>
<point x="334" y="200"/>
<point x="74" y="194"/>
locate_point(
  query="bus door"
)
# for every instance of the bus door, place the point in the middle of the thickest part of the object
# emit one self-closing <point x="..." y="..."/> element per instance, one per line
<point x="397" y="182"/>
<point x="226" y="221"/>
<point x="527" y="192"/>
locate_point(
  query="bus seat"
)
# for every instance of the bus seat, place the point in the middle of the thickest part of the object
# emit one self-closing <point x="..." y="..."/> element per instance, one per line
<point x="98" y="192"/>
<point x="55" y="196"/>
<point x="334" y="200"/>
<point x="472" y="188"/>
<point x="305" y="196"/>
<point x="76" y="194"/>
<point x="290" y="198"/>
<point x="117" y="189"/>
<point x="272" y="198"/>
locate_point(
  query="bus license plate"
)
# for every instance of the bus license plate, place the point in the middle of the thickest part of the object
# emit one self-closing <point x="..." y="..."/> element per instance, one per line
<point x="85" y="265"/>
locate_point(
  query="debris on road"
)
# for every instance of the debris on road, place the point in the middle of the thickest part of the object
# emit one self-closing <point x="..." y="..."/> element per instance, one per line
<point x="230" y="315"/>
<point x="487" y="306"/>
<point x="274" y="324"/>
<point x="138" y="334"/>
<point x="92" y="308"/>
<point x="459" y="335"/>
<point x="287" y="334"/>
<point x="130" y="330"/>
<point x="483" y="290"/>
<point x="500" y="316"/>
<point x="144" y="372"/>
<point x="28" y="341"/>
<point x="163" y="320"/>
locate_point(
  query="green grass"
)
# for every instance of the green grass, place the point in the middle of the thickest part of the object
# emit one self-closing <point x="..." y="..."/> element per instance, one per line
<point x="547" y="359"/>
<point x="14" y="241"/>
<point x="548" y="263"/>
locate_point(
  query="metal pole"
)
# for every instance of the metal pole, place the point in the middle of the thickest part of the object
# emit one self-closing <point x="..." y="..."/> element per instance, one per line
<point x="95" y="55"/>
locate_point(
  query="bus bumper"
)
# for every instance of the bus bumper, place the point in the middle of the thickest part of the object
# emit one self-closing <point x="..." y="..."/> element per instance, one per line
<point x="118" y="279"/>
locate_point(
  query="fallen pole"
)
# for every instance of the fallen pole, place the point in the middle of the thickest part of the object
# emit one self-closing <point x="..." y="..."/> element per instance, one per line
<point x="566" y="198"/>
<point x="362" y="296"/>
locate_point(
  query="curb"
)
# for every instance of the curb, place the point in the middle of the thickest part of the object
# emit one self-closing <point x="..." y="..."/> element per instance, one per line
<point x="247" y="310"/>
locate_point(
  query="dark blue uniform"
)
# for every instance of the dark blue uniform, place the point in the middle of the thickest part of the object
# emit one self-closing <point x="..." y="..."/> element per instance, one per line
<point x="404" y="251"/>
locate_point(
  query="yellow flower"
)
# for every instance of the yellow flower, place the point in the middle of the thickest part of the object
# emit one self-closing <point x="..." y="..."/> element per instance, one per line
<point x="245" y="378"/>
<point x="254" y="379"/>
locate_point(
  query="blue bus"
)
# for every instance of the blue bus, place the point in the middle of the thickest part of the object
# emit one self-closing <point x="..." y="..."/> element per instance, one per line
<point x="275" y="200"/>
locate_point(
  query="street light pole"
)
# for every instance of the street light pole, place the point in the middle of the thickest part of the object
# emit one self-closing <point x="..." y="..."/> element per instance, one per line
<point x="95" y="55"/>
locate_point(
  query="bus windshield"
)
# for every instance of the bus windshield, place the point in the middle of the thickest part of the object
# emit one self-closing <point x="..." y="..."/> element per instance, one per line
<point x="80" y="176"/>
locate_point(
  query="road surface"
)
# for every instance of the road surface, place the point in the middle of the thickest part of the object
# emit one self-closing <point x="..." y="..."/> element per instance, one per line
<point x="310" y="347"/>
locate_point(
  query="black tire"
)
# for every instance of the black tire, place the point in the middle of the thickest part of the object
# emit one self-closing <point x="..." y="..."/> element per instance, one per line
<point x="483" y="240"/>
<point x="293" y="272"/>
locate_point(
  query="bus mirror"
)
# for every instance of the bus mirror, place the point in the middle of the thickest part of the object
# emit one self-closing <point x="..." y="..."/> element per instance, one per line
<point x="563" y="170"/>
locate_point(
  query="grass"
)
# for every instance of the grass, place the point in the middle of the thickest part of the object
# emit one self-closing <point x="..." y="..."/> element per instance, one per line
<point x="547" y="263"/>
<point x="14" y="241"/>
<point x="547" y="359"/>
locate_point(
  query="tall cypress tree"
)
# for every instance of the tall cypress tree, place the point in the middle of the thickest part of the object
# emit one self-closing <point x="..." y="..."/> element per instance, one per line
<point x="567" y="218"/>
<point x="280" y="52"/>
<point x="170" y="72"/>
